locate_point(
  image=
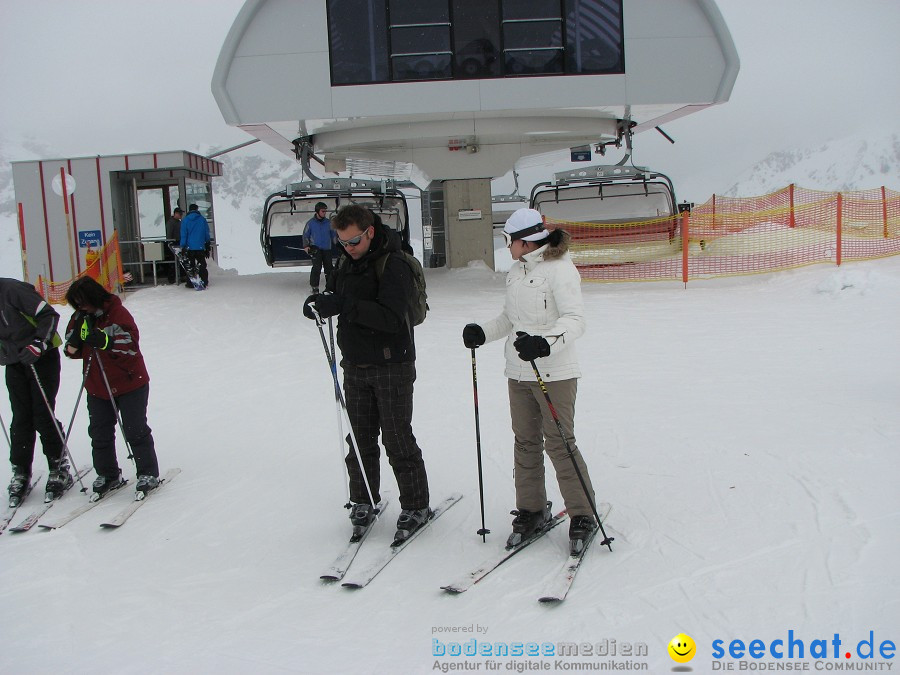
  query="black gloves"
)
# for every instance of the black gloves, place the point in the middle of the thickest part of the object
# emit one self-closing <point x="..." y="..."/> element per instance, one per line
<point x="74" y="340"/>
<point x="531" y="347"/>
<point x="329" y="305"/>
<point x="208" y="249"/>
<point x="473" y="335"/>
<point x="31" y="353"/>
<point x="326" y="305"/>
<point x="307" y="309"/>
<point x="313" y="249"/>
<point x="90" y="335"/>
<point x="97" y="338"/>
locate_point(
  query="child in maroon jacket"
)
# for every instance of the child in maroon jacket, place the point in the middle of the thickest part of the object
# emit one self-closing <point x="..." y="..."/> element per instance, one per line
<point x="103" y="333"/>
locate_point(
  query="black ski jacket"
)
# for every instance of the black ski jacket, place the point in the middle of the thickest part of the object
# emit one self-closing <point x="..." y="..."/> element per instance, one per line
<point x="24" y="317"/>
<point x="372" y="329"/>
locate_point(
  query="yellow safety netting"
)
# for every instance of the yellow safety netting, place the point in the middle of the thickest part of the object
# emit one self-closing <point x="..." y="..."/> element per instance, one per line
<point x="725" y="236"/>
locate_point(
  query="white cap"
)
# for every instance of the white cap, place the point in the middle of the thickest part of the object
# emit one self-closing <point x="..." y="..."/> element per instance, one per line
<point x="525" y="221"/>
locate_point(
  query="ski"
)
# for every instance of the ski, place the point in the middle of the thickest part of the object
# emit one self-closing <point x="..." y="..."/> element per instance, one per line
<point x="559" y="586"/>
<point x="84" y="508"/>
<point x="338" y="569"/>
<point x="31" y="519"/>
<point x="10" y="513"/>
<point x="366" y="575"/>
<point x="138" y="502"/>
<point x="465" y="583"/>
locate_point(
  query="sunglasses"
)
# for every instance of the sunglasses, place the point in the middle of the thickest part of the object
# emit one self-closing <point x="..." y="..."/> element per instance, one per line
<point x="354" y="241"/>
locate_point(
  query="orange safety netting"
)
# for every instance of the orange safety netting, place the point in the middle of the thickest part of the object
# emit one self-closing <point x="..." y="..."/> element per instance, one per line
<point x="104" y="265"/>
<point x="728" y="236"/>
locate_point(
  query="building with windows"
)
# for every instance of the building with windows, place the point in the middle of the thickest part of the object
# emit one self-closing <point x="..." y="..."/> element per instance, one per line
<point x="462" y="89"/>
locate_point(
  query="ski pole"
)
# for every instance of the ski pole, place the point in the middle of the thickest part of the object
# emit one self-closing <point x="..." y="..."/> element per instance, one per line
<point x="483" y="531"/>
<point x="607" y="541"/>
<point x="337" y="406"/>
<point x="87" y="369"/>
<point x="332" y="365"/>
<point x="6" y="433"/>
<point x="115" y="407"/>
<point x="56" y="423"/>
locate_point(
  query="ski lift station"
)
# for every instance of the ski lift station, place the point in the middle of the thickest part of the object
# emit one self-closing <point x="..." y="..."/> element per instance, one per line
<point x="445" y="95"/>
<point x="69" y="208"/>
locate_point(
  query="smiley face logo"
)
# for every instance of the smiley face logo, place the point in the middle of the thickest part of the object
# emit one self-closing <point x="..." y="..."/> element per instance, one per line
<point x="682" y="648"/>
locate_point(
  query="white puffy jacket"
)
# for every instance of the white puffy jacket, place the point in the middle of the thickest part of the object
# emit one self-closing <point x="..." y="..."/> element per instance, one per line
<point x="543" y="297"/>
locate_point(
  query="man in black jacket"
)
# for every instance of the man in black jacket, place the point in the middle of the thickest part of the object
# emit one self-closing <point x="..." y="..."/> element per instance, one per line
<point x="28" y="348"/>
<point x="371" y="297"/>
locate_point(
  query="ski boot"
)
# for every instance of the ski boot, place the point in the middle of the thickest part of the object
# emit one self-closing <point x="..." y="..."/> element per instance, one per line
<point x="19" y="486"/>
<point x="145" y="484"/>
<point x="361" y="517"/>
<point x="105" y="484"/>
<point x="526" y="524"/>
<point x="409" y="521"/>
<point x="581" y="530"/>
<point x="59" y="481"/>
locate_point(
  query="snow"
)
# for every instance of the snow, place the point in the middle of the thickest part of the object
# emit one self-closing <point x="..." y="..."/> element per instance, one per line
<point x="745" y="431"/>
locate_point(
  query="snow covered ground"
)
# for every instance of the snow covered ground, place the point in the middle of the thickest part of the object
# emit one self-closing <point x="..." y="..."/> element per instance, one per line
<point x="745" y="430"/>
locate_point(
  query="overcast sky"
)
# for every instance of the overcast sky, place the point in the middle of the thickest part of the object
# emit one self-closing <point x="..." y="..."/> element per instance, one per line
<point x="93" y="77"/>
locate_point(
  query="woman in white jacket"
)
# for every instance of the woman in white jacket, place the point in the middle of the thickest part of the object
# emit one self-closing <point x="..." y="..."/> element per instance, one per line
<point x="541" y="319"/>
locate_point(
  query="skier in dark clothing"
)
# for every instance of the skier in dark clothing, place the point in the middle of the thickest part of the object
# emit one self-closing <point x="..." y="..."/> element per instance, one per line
<point x="379" y="363"/>
<point x="28" y="339"/>
<point x="103" y="329"/>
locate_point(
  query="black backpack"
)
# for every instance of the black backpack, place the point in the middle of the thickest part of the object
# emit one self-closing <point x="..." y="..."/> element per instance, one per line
<point x="418" y="307"/>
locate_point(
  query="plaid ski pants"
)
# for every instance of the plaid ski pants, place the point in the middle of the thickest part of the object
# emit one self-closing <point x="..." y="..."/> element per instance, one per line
<point x="380" y="399"/>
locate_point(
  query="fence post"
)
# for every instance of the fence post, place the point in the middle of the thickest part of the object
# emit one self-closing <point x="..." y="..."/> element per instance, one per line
<point x="714" y="211"/>
<point x="25" y="248"/>
<point x="840" y="205"/>
<point x="884" y="211"/>
<point x="793" y="221"/>
<point x="685" y="217"/>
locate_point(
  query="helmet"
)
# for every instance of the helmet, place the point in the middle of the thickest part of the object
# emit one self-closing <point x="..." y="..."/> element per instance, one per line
<point x="321" y="205"/>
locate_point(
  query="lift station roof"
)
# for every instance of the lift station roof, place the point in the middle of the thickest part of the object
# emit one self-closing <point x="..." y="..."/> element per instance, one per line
<point x="464" y="88"/>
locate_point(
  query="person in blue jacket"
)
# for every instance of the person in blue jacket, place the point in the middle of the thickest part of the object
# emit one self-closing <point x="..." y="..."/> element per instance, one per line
<point x="196" y="242"/>
<point x="318" y="239"/>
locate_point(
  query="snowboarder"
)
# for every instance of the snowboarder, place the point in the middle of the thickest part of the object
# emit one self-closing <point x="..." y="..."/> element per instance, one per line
<point x="379" y="363"/>
<point x="117" y="383"/>
<point x="196" y="243"/>
<point x="542" y="317"/>
<point x="29" y="349"/>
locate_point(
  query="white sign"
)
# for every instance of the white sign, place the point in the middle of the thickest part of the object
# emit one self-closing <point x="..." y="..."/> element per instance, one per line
<point x="57" y="185"/>
<point x="427" y="243"/>
<point x="468" y="214"/>
<point x="426" y="230"/>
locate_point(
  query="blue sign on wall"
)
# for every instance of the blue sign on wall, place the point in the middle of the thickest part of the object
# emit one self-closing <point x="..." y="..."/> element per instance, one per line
<point x="580" y="154"/>
<point x="89" y="238"/>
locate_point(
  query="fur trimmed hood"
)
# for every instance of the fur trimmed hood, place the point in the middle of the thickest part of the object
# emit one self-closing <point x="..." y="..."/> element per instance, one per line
<point x="550" y="251"/>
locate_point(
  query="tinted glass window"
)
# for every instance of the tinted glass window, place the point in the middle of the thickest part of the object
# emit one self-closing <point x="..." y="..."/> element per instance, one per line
<point x="420" y="39"/>
<point x="530" y="9"/>
<point x="421" y="67"/>
<point x="357" y="36"/>
<point x="593" y="36"/>
<point x="401" y="40"/>
<point x="419" y="11"/>
<point x="476" y="39"/>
